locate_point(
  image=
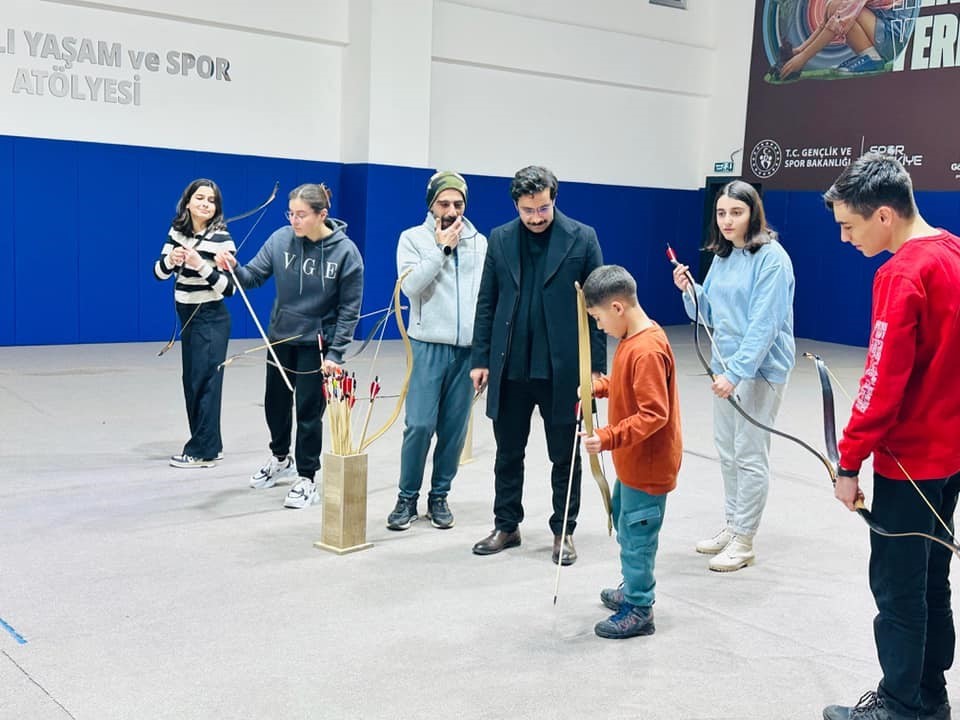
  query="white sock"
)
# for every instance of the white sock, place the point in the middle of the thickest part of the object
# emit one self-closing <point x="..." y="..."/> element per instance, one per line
<point x="871" y="52"/>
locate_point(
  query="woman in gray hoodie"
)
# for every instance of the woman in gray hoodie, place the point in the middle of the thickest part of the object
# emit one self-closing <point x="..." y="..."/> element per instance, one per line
<point x="318" y="273"/>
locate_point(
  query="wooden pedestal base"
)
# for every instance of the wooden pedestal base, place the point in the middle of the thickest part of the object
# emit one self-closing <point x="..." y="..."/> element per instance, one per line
<point x="344" y="527"/>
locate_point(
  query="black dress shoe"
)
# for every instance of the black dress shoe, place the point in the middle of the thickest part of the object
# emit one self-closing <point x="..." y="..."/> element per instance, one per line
<point x="496" y="541"/>
<point x="569" y="551"/>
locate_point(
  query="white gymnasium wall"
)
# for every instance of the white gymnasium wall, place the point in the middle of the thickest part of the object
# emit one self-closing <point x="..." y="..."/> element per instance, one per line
<point x="610" y="91"/>
<point x="284" y="67"/>
<point x="729" y="78"/>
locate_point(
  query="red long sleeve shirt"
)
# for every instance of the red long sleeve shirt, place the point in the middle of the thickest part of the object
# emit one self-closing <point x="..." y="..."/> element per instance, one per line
<point x="908" y="405"/>
<point x="644" y="412"/>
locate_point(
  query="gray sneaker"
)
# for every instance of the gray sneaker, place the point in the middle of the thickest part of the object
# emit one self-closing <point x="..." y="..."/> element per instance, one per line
<point x="404" y="514"/>
<point x="186" y="461"/>
<point x="870" y="706"/>
<point x="439" y="513"/>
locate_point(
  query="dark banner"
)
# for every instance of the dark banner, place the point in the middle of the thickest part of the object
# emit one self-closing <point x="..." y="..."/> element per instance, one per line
<point x="833" y="79"/>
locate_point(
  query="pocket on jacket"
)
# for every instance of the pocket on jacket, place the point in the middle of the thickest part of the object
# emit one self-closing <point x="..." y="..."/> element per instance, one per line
<point x="288" y="323"/>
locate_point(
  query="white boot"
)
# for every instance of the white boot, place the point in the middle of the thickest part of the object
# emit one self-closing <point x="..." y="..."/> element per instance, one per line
<point x="737" y="554"/>
<point x="713" y="545"/>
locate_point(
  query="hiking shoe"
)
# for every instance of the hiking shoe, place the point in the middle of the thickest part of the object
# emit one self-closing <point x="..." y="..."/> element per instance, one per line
<point x="267" y="476"/>
<point x="860" y="65"/>
<point x="187" y="461"/>
<point x="629" y="621"/>
<point x="404" y="514"/>
<point x="439" y="513"/>
<point x="869" y="707"/>
<point x="737" y="554"/>
<point x="713" y="545"/>
<point x="302" y="494"/>
<point x="612" y="597"/>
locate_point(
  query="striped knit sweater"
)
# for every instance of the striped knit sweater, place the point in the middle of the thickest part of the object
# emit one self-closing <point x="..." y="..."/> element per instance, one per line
<point x="194" y="287"/>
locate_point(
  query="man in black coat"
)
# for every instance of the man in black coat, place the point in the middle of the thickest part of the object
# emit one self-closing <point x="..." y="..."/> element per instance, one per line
<point x="525" y="349"/>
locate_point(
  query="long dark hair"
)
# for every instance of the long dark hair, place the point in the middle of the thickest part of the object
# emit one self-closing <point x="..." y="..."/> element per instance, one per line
<point x="758" y="232"/>
<point x="183" y="222"/>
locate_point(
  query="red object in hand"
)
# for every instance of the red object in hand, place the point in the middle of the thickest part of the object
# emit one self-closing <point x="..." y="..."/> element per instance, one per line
<point x="671" y="255"/>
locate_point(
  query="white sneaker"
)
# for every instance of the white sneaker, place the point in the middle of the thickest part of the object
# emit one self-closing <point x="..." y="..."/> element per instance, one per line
<point x="302" y="494"/>
<point x="713" y="545"/>
<point x="737" y="554"/>
<point x="186" y="461"/>
<point x="267" y="476"/>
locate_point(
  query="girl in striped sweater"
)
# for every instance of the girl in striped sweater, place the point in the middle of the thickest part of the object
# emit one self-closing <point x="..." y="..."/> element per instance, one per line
<point x="196" y="235"/>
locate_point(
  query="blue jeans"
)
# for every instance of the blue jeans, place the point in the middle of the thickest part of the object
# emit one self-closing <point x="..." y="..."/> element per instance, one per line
<point x="438" y="403"/>
<point x="638" y="517"/>
<point x="910" y="581"/>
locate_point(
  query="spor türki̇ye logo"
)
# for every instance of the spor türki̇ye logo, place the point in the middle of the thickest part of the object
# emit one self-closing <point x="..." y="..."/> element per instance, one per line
<point x="766" y="158"/>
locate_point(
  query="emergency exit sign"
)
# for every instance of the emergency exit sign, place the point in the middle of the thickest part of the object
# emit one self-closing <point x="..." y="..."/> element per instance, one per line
<point x="726" y="166"/>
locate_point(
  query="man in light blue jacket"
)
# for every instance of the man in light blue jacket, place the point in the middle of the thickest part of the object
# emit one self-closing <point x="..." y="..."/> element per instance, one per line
<point x="445" y="255"/>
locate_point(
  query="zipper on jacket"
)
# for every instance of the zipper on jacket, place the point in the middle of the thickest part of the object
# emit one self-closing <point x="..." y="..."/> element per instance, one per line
<point x="456" y="274"/>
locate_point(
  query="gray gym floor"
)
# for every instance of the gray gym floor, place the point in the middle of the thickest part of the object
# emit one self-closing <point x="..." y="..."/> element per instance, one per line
<point x="146" y="592"/>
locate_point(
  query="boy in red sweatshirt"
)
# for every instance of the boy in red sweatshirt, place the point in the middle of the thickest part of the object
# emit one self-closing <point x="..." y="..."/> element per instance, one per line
<point x="645" y="440"/>
<point x="907" y="415"/>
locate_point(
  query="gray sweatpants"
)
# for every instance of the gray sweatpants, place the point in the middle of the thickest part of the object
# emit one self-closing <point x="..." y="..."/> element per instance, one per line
<point x="744" y="451"/>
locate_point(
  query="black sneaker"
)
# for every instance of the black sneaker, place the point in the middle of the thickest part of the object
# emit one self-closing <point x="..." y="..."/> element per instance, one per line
<point x="869" y="707"/>
<point x="439" y="513"/>
<point x="629" y="621"/>
<point x="403" y="514"/>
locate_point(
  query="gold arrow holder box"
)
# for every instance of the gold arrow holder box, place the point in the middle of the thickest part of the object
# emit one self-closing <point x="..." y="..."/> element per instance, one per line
<point x="344" y="528"/>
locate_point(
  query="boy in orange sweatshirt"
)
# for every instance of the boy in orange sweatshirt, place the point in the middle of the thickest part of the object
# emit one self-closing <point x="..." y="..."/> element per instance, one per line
<point x="645" y="440"/>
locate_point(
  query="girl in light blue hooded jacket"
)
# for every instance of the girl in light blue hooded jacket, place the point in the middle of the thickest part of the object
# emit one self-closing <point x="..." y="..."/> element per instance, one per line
<point x="747" y="298"/>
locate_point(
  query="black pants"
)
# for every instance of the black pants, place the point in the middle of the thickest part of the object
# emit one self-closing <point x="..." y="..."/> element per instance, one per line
<point x="511" y="430"/>
<point x="910" y="581"/>
<point x="278" y="406"/>
<point x="203" y="347"/>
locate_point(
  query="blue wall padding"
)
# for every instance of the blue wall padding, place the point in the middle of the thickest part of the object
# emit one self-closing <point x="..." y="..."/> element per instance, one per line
<point x="82" y="223"/>
<point x="8" y="278"/>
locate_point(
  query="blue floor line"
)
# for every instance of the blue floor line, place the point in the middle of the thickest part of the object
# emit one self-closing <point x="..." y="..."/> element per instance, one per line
<point x="16" y="636"/>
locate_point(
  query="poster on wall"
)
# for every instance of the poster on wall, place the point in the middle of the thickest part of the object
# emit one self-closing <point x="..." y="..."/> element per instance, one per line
<point x="833" y="79"/>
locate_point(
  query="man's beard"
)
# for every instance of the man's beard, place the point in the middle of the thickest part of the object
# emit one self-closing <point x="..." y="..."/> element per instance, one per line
<point x="447" y="222"/>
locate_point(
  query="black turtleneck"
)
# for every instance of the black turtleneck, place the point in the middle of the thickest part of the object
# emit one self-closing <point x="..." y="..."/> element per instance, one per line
<point x="529" y="346"/>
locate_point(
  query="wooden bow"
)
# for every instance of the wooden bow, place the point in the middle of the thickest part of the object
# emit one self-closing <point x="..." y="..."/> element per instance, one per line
<point x="586" y="397"/>
<point x="408" y="349"/>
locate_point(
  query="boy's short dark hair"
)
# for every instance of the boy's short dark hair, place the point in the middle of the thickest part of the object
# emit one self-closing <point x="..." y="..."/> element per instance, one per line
<point x="608" y="283"/>
<point x="870" y="181"/>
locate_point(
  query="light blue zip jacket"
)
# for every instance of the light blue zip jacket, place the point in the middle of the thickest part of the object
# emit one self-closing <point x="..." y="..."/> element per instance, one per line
<point x="442" y="288"/>
<point x="747" y="298"/>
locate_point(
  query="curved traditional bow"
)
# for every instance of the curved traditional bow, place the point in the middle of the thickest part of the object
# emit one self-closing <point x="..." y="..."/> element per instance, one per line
<point x="830" y="439"/>
<point x="206" y="233"/>
<point x="586" y="396"/>
<point x="691" y="290"/>
<point x="831" y="460"/>
<point x="408" y="350"/>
